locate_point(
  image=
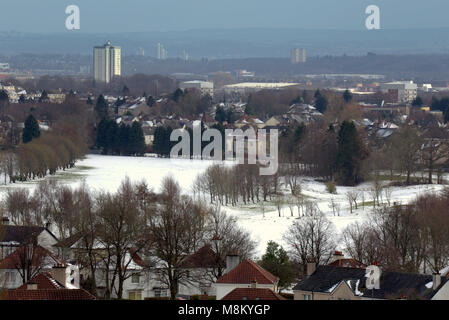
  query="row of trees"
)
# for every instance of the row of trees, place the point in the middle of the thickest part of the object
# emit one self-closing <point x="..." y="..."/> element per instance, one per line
<point x="161" y="227"/>
<point x="347" y="156"/>
<point x="409" y="238"/>
<point x="58" y="149"/>
<point x="404" y="238"/>
<point x="120" y="139"/>
<point x="409" y="150"/>
<point x="231" y="185"/>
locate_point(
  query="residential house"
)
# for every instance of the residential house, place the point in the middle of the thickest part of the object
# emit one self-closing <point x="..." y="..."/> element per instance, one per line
<point x="17" y="236"/>
<point x="341" y="283"/>
<point x="243" y="276"/>
<point x="28" y="261"/>
<point x="200" y="268"/>
<point x="140" y="280"/>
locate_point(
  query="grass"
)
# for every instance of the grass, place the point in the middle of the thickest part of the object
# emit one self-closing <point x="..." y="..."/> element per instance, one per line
<point x="83" y="168"/>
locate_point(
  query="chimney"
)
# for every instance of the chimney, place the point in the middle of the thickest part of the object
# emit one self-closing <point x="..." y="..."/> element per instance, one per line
<point x="31" y="286"/>
<point x="254" y="284"/>
<point x="436" y="280"/>
<point x="59" y="274"/>
<point x="311" y="267"/>
<point x="338" y="255"/>
<point x="232" y="261"/>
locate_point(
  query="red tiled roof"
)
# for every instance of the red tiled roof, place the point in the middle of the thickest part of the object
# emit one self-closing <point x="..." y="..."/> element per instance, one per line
<point x="50" y="294"/>
<point x="44" y="281"/>
<point x="347" y="263"/>
<point x="252" y="294"/>
<point x="247" y="272"/>
<point x="203" y="258"/>
<point x="16" y="258"/>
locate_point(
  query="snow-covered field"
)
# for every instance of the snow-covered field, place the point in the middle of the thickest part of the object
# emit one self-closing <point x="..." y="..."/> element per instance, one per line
<point x="107" y="172"/>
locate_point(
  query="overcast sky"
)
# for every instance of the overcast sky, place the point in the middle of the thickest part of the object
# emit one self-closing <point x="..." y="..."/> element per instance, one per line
<point x="98" y="16"/>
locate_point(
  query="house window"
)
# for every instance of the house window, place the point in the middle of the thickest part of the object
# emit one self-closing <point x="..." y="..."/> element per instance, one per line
<point x="135" y="295"/>
<point x="135" y="278"/>
<point x="159" y="292"/>
<point x="307" y="297"/>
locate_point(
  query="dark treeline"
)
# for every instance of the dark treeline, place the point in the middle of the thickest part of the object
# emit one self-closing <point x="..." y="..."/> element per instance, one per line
<point x="162" y="144"/>
<point x="120" y="139"/>
<point x="164" y="226"/>
<point x="154" y="85"/>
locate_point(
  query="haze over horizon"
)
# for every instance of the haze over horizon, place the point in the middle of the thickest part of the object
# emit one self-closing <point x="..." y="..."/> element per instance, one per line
<point x="113" y="16"/>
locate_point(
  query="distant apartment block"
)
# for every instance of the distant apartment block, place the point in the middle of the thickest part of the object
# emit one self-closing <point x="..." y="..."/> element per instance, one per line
<point x="298" y="55"/>
<point x="140" y="52"/>
<point x="107" y="62"/>
<point x="185" y="56"/>
<point x="205" y="87"/>
<point x="161" y="52"/>
<point x="400" y="91"/>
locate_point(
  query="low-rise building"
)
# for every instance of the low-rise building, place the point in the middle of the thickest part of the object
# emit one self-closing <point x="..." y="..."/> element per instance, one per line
<point x="205" y="87"/>
<point x="400" y="91"/>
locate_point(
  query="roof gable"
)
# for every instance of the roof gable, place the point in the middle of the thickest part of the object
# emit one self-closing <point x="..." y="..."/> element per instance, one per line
<point x="22" y="234"/>
<point x="205" y="257"/>
<point x="44" y="281"/>
<point x="247" y="272"/>
<point x="41" y="258"/>
<point x="252" y="294"/>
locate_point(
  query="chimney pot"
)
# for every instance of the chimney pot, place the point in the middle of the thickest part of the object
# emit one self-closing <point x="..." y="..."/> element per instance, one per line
<point x="232" y="261"/>
<point x="436" y="280"/>
<point x="254" y="284"/>
<point x="311" y="267"/>
<point x="31" y="286"/>
<point x="338" y="255"/>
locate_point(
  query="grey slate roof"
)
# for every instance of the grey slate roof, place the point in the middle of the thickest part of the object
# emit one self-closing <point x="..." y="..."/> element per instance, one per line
<point x="21" y="234"/>
<point x="393" y="285"/>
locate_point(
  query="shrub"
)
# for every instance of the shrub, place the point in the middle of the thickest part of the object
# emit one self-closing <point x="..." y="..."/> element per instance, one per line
<point x="330" y="187"/>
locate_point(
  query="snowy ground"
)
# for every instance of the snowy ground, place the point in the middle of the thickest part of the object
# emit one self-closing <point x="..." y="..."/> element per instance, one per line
<point x="107" y="172"/>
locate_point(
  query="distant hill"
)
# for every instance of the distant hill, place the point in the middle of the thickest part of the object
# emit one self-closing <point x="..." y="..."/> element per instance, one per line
<point x="236" y="43"/>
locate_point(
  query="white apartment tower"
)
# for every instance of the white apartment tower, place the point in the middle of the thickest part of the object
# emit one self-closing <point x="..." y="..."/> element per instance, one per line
<point x="298" y="56"/>
<point x="107" y="62"/>
<point x="162" y="53"/>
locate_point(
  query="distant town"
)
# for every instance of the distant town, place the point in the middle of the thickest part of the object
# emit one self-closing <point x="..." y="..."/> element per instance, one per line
<point x="356" y="211"/>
